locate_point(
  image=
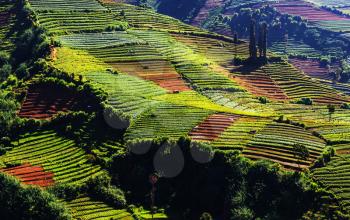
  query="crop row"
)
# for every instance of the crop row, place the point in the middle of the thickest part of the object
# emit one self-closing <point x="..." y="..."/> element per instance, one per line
<point x="55" y="154"/>
<point x="293" y="47"/>
<point x="85" y="208"/>
<point x="166" y="120"/>
<point x="312" y="68"/>
<point x="128" y="94"/>
<point x="220" y="51"/>
<point x="66" y="5"/>
<point x="63" y="22"/>
<point x="239" y="133"/>
<point x="260" y="84"/>
<point x="335" y="177"/>
<point x="147" y="18"/>
<point x="212" y="127"/>
<point x="297" y="85"/>
<point x="43" y="102"/>
<point x="192" y="66"/>
<point x="307" y="11"/>
<point x="7" y="21"/>
<point x="31" y="175"/>
<point x="275" y="142"/>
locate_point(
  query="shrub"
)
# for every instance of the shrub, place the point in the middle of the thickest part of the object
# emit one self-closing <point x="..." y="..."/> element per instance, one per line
<point x="263" y="100"/>
<point x="305" y="101"/>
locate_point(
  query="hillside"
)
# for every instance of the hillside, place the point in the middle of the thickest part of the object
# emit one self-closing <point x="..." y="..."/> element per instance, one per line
<point x="97" y="95"/>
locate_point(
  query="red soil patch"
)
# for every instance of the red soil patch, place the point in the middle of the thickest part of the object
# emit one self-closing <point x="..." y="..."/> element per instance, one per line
<point x="311" y="68"/>
<point x="205" y="10"/>
<point x="31" y="175"/>
<point x="212" y="127"/>
<point x="158" y="71"/>
<point x="307" y="11"/>
<point x="43" y="102"/>
<point x="260" y="84"/>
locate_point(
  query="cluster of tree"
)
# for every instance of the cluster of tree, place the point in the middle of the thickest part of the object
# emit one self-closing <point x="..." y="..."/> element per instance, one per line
<point x="342" y="73"/>
<point x="228" y="187"/>
<point x="28" y="203"/>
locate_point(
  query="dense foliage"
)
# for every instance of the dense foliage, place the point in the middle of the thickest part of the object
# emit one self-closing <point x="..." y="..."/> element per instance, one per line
<point x="30" y="203"/>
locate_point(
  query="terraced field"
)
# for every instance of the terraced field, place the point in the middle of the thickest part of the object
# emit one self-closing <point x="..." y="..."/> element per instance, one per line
<point x="42" y="102"/>
<point x="128" y="94"/>
<point x="275" y="142"/>
<point x="65" y="5"/>
<point x="219" y="51"/>
<point x="146" y="18"/>
<point x="205" y="11"/>
<point x="312" y="68"/>
<point x="212" y="127"/>
<point x="260" y="84"/>
<point x="240" y="133"/>
<point x="335" y="177"/>
<point x="31" y="175"/>
<point x="85" y="208"/>
<point x="54" y="154"/>
<point x="293" y="47"/>
<point x="307" y="11"/>
<point x="167" y="120"/>
<point x="297" y="85"/>
<point x="7" y="20"/>
<point x="130" y="55"/>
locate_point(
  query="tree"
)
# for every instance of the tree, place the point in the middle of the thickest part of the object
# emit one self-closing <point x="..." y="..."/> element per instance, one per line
<point x="252" y="40"/>
<point x="300" y="153"/>
<point x="331" y="110"/>
<point x="235" y="38"/>
<point x="264" y="39"/>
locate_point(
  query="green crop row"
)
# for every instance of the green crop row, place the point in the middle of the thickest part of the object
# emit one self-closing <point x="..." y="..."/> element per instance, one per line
<point x="55" y="154"/>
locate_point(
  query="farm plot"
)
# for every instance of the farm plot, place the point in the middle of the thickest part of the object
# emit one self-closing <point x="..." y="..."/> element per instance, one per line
<point x="240" y="133"/>
<point x="220" y="51"/>
<point x="130" y="55"/>
<point x="43" y="102"/>
<point x="242" y="101"/>
<point x="195" y="68"/>
<point x="293" y="47"/>
<point x="7" y="21"/>
<point x="336" y="25"/>
<point x="127" y="94"/>
<point x="147" y="18"/>
<point x="211" y="128"/>
<point x="312" y="68"/>
<point x="55" y="154"/>
<point x="99" y="40"/>
<point x="335" y="177"/>
<point x="166" y="120"/>
<point x="307" y="11"/>
<point x="297" y="85"/>
<point x="31" y="175"/>
<point x="275" y="142"/>
<point x="64" y="22"/>
<point x="204" y="12"/>
<point x="66" y="5"/>
<point x="87" y="208"/>
<point x="331" y="3"/>
<point x="260" y="84"/>
<point x="334" y="132"/>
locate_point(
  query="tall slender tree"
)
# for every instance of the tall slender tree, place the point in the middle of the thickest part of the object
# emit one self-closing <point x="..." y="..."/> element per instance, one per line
<point x="264" y="39"/>
<point x="252" y="40"/>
